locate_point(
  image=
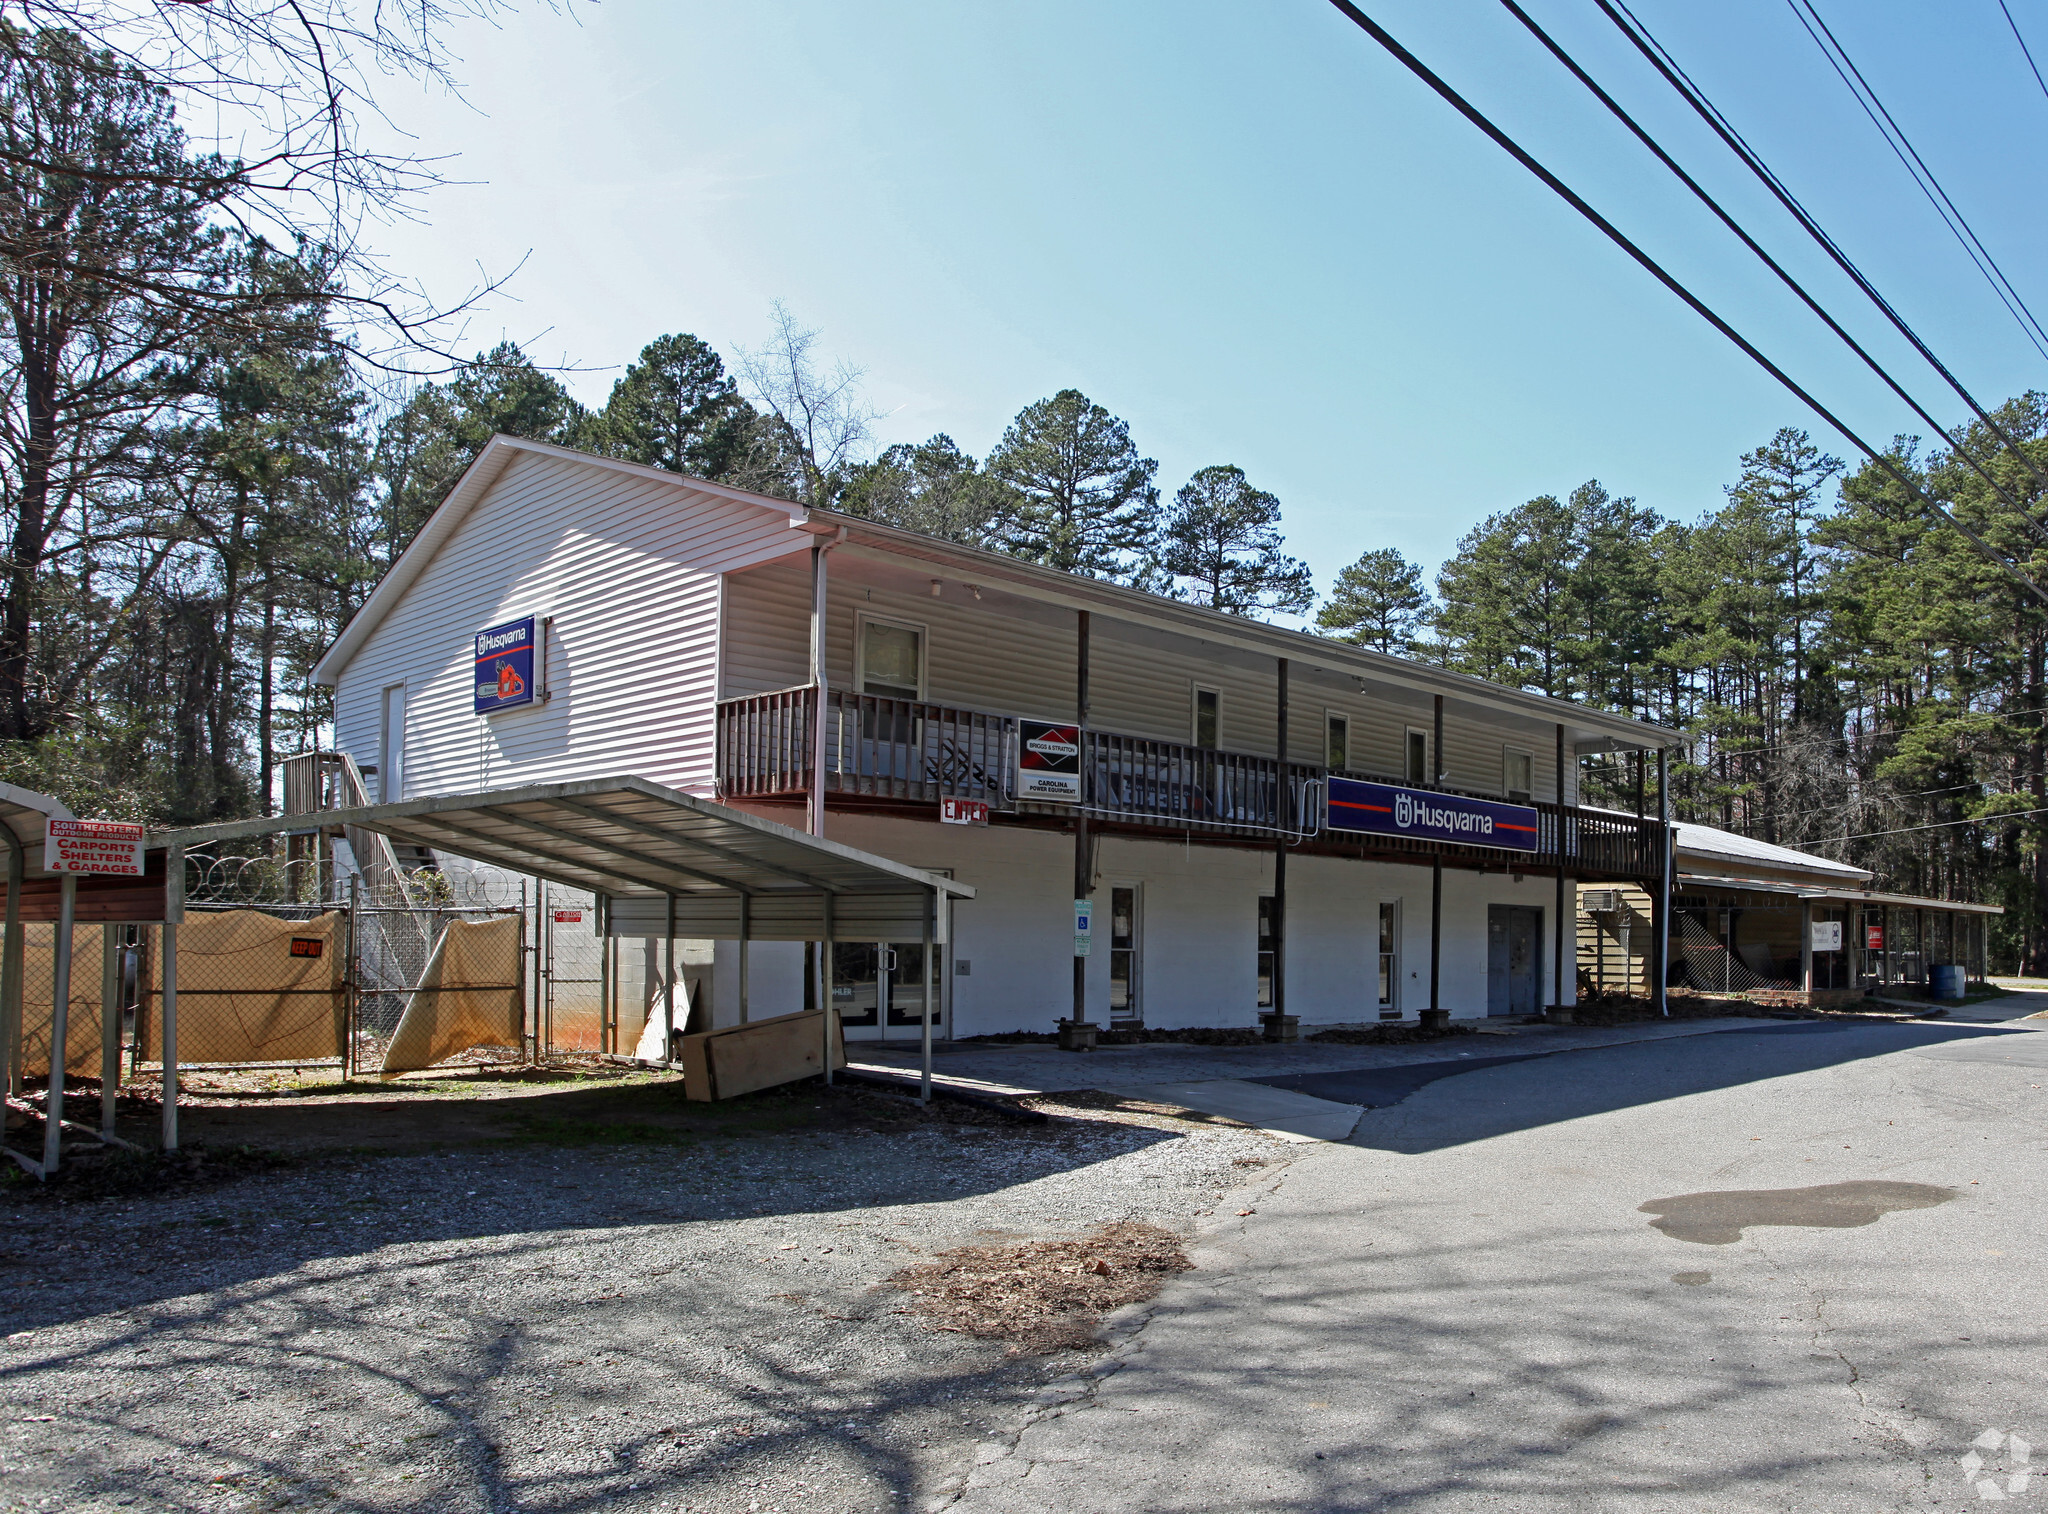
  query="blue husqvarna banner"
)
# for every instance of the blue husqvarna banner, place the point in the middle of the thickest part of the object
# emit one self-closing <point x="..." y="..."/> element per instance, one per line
<point x="1426" y="816"/>
<point x="504" y="666"/>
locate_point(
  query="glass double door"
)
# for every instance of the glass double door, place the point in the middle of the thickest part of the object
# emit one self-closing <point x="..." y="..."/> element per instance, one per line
<point x="878" y="987"/>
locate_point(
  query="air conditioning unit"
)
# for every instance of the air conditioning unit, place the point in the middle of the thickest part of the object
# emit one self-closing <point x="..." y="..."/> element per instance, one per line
<point x="1596" y="901"/>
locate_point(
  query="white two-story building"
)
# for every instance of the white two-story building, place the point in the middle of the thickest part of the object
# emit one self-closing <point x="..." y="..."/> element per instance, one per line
<point x="1254" y="817"/>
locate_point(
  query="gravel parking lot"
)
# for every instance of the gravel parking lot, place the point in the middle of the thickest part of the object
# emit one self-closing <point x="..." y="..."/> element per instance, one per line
<point x="660" y="1326"/>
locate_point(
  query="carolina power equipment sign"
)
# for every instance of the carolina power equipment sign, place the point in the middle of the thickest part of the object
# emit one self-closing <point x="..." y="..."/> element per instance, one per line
<point x="1388" y="811"/>
<point x="504" y="666"/>
<point x="1048" y="761"/>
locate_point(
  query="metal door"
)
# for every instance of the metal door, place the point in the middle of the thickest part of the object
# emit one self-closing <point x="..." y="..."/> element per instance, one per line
<point x="1514" y="959"/>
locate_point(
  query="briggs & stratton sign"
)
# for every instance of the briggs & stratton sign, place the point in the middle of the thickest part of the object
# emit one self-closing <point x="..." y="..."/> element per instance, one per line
<point x="504" y="666"/>
<point x="1355" y="805"/>
<point x="1048" y="761"/>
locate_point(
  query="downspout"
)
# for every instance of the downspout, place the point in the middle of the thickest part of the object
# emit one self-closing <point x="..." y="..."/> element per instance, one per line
<point x="818" y="611"/>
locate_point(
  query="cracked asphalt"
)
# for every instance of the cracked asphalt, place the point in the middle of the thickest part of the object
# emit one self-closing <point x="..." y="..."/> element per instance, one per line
<point x="1466" y="1307"/>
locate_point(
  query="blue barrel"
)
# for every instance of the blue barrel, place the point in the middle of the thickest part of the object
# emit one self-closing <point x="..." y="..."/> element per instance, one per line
<point x="1946" y="980"/>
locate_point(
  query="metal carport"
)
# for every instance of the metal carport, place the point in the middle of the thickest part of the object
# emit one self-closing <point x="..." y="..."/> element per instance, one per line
<point x="658" y="860"/>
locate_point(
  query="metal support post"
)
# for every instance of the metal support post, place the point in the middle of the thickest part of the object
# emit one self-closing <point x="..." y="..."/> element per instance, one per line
<point x="1436" y="928"/>
<point x="174" y="916"/>
<point x="1283" y="809"/>
<point x="110" y="1026"/>
<point x="1660" y="920"/>
<point x="746" y="949"/>
<point x="924" y="1082"/>
<point x="1806" y="946"/>
<point x="1084" y="867"/>
<point x="11" y="971"/>
<point x="351" y="981"/>
<point x="60" y="1025"/>
<point x="1563" y="846"/>
<point x="668" y="987"/>
<point x="825" y="984"/>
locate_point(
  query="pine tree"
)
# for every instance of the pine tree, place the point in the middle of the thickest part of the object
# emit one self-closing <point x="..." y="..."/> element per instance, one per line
<point x="1085" y="502"/>
<point x="1220" y="543"/>
<point x="1380" y="601"/>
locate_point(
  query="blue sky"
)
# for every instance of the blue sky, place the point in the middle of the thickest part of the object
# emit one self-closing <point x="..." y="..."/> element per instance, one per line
<point x="1241" y="227"/>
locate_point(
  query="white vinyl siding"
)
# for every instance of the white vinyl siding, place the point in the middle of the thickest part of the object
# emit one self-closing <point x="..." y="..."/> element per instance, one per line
<point x="1017" y="658"/>
<point x="629" y="567"/>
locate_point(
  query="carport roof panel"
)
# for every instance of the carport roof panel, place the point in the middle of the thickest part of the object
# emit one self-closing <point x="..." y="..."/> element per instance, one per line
<point x="628" y="837"/>
<point x="27" y="815"/>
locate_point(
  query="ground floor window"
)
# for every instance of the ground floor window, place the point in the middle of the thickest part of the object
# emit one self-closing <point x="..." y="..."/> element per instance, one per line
<point x="1390" y="961"/>
<point x="1123" y="955"/>
<point x="1266" y="934"/>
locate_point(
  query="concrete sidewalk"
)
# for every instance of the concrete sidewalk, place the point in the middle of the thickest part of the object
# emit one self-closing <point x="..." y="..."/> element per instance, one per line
<point x="1295" y="1092"/>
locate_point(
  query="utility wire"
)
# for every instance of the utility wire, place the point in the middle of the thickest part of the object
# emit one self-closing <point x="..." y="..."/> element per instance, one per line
<point x="1646" y="43"/>
<point x="1657" y="271"/>
<point x="1923" y="176"/>
<point x="2025" y="51"/>
<point x="1768" y="261"/>
<point x="1939" y="825"/>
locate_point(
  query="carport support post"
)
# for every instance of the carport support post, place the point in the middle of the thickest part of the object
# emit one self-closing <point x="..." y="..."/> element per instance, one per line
<point x="1806" y="948"/>
<point x="668" y="987"/>
<point x="1660" y="911"/>
<point x="174" y="916"/>
<point x="60" y="1024"/>
<point x="10" y="972"/>
<point x="110" y="1027"/>
<point x="924" y="1082"/>
<point x="746" y="930"/>
<point x="825" y="983"/>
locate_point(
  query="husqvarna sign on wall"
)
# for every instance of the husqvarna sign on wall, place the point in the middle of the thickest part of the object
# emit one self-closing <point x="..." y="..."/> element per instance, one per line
<point x="504" y="666"/>
<point x="1426" y="816"/>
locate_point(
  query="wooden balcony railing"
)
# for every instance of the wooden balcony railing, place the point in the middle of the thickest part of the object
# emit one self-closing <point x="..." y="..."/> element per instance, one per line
<point x="912" y="751"/>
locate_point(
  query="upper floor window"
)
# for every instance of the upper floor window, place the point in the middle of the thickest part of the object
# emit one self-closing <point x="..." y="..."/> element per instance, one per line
<point x="1336" y="742"/>
<point x="1418" y="756"/>
<point x="1208" y="718"/>
<point x="1517" y="774"/>
<point x="891" y="659"/>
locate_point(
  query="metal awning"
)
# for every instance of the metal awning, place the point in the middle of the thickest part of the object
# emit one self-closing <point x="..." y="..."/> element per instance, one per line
<point x="1826" y="895"/>
<point x="641" y="845"/>
<point x="25" y="815"/>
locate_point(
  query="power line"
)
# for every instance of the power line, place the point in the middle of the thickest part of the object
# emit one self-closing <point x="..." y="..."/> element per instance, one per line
<point x="1659" y="57"/>
<point x="1657" y="271"/>
<point x="1729" y="221"/>
<point x="1923" y="176"/>
<point x="2025" y="51"/>
<point x="1939" y="825"/>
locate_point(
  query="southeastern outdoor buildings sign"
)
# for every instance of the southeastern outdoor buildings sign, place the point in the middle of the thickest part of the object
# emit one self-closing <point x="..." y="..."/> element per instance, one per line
<point x="504" y="666"/>
<point x="1423" y="815"/>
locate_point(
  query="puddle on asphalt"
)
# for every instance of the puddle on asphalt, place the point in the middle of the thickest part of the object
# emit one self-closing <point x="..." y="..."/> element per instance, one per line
<point x="1718" y="1219"/>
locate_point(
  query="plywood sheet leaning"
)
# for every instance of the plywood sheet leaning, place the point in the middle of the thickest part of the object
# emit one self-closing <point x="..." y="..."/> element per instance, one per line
<point x="254" y="988"/>
<point x="723" y="1064"/>
<point x="469" y="995"/>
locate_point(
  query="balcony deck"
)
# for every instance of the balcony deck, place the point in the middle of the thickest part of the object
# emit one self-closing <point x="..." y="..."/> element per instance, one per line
<point x="900" y="752"/>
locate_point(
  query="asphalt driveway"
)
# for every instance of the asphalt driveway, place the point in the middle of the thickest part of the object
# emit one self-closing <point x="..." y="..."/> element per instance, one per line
<point x="1780" y="1267"/>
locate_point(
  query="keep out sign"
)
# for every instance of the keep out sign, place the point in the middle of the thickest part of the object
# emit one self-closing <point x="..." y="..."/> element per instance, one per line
<point x="93" y="846"/>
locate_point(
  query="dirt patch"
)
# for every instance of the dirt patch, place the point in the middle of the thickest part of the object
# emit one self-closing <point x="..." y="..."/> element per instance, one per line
<point x="1092" y="1103"/>
<point x="104" y="1172"/>
<point x="1718" y="1219"/>
<point x="1043" y="1295"/>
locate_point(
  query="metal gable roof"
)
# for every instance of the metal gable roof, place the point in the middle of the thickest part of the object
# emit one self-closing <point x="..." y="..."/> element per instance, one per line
<point x="631" y="839"/>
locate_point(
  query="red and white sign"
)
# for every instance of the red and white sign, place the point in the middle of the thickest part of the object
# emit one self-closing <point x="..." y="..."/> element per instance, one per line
<point x="1873" y="938"/>
<point x="93" y="846"/>
<point x="568" y="917"/>
<point x="963" y="811"/>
